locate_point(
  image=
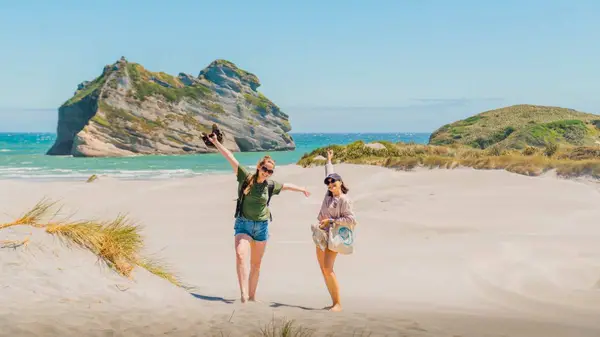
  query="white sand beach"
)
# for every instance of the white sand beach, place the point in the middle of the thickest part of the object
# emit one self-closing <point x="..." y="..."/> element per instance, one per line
<point x="439" y="253"/>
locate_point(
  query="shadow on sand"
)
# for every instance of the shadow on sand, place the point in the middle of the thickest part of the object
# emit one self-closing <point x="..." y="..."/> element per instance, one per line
<point x="277" y="305"/>
<point x="231" y="301"/>
<point x="212" y="298"/>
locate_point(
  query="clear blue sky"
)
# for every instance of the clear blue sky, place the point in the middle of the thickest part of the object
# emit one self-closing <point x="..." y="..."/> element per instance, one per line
<point x="395" y="65"/>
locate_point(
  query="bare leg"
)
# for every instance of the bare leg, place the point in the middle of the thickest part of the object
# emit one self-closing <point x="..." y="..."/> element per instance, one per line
<point x="257" y="249"/>
<point x="242" y="244"/>
<point x="331" y="280"/>
<point x="326" y="261"/>
<point x="321" y="259"/>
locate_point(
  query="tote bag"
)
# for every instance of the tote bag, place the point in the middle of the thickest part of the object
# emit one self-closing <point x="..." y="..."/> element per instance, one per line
<point x="341" y="238"/>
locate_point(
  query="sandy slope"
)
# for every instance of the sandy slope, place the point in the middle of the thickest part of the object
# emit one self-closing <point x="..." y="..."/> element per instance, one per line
<point x="439" y="253"/>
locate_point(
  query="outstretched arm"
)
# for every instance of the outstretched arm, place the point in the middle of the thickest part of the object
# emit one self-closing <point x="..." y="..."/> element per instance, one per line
<point x="226" y="153"/>
<point x="292" y="187"/>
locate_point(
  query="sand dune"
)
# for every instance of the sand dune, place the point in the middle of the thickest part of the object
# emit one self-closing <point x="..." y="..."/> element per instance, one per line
<point x="439" y="253"/>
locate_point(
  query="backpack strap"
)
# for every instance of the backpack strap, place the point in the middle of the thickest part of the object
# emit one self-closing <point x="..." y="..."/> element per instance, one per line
<point x="271" y="188"/>
<point x="240" y="199"/>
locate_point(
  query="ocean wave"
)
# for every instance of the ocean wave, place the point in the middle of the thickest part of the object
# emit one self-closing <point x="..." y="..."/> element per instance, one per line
<point x="59" y="174"/>
<point x="5" y="150"/>
<point x="13" y="169"/>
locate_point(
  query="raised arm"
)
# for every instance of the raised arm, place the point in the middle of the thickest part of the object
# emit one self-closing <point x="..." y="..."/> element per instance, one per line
<point x="329" y="165"/>
<point x="226" y="153"/>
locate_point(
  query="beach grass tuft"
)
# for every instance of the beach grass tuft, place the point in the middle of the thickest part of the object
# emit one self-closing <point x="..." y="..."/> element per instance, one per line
<point x="117" y="242"/>
<point x="160" y="269"/>
<point x="14" y="243"/>
<point x="34" y="215"/>
<point x="284" y="328"/>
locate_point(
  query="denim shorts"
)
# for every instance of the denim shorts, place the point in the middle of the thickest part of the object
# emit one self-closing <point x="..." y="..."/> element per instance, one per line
<point x="257" y="230"/>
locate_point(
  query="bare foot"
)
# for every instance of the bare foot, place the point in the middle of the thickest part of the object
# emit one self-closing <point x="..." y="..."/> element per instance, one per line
<point x="251" y="299"/>
<point x="336" y="308"/>
<point x="244" y="299"/>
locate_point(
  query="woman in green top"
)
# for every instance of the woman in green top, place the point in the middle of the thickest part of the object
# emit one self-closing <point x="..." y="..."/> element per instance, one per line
<point x="252" y="216"/>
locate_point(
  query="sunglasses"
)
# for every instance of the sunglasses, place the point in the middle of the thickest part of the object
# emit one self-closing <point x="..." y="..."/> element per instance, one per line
<point x="266" y="170"/>
<point x="330" y="181"/>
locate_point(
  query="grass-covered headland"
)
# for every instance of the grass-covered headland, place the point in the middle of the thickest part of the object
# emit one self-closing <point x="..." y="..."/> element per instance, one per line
<point x="519" y="126"/>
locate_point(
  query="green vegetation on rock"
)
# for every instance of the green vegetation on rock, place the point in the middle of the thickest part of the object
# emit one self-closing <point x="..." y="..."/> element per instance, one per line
<point x="89" y="89"/>
<point x="119" y="120"/>
<point x="262" y="104"/>
<point x="252" y="122"/>
<point x="189" y="121"/>
<point x="246" y="76"/>
<point x="144" y="87"/>
<point x="101" y="120"/>
<point x="519" y="126"/>
<point x="286" y="126"/>
<point x="214" y="107"/>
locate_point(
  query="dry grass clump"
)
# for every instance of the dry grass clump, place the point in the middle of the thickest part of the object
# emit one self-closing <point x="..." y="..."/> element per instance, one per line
<point x="569" y="169"/>
<point x="531" y="161"/>
<point x="581" y="153"/>
<point x="289" y="328"/>
<point x="284" y="328"/>
<point x="118" y="242"/>
<point x="160" y="269"/>
<point x="33" y="216"/>
<point x="14" y="243"/>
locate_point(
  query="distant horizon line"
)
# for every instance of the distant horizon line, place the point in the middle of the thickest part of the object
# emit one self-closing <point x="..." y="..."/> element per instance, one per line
<point x="407" y="104"/>
<point x="292" y="133"/>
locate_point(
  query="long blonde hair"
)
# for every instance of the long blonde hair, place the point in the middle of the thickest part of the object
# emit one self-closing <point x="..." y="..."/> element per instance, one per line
<point x="251" y="178"/>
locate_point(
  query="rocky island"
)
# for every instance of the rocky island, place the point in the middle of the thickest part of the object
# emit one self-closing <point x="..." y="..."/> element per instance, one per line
<point x="129" y="110"/>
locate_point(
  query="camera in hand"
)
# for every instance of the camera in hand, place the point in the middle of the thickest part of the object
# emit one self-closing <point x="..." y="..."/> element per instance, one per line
<point x="216" y="132"/>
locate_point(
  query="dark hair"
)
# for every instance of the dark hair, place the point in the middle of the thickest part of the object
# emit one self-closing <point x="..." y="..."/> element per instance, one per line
<point x="343" y="188"/>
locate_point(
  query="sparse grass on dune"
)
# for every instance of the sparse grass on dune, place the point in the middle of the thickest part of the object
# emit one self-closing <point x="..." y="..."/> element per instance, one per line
<point x="14" y="243"/>
<point x="290" y="328"/>
<point x="118" y="242"/>
<point x="531" y="161"/>
<point x="33" y="216"/>
<point x="283" y="328"/>
<point x="159" y="269"/>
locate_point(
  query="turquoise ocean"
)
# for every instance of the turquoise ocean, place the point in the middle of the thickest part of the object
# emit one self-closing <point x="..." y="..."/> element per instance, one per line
<point x="23" y="156"/>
